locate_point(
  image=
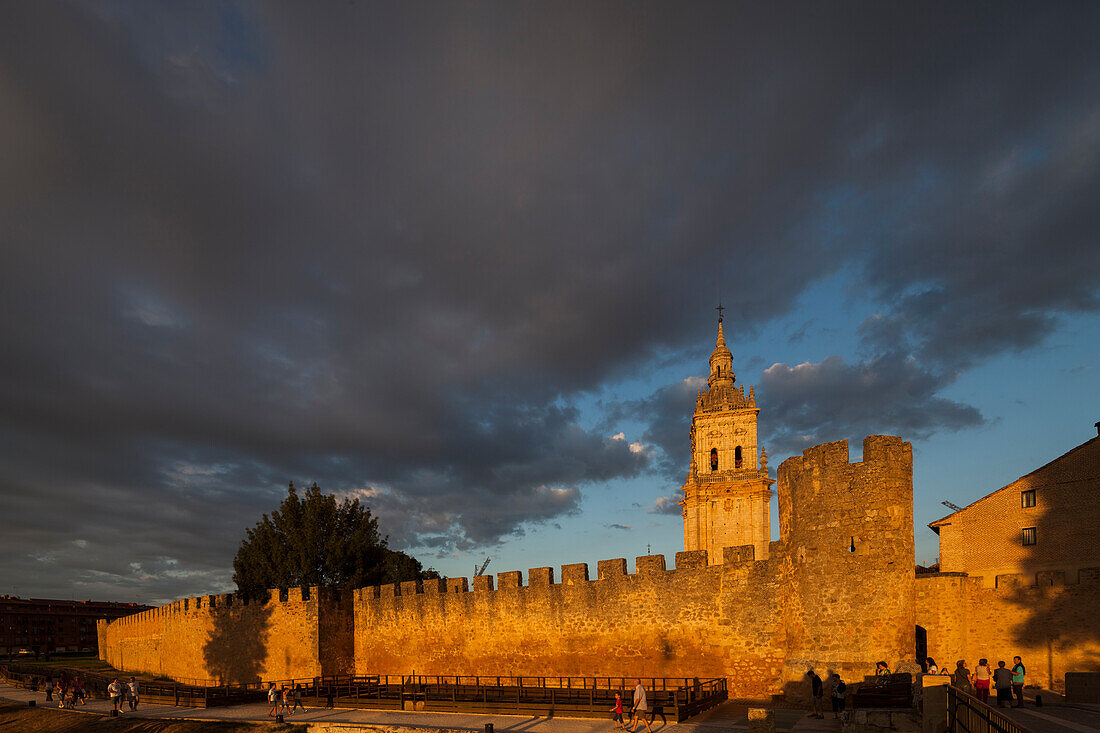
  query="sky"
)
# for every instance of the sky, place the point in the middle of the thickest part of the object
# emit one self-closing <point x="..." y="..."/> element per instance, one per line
<point x="461" y="260"/>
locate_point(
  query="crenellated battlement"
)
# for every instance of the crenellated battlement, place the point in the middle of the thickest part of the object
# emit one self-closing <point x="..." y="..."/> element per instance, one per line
<point x="827" y="501"/>
<point x="222" y="601"/>
<point x="1010" y="585"/>
<point x="572" y="576"/>
<point x="877" y="449"/>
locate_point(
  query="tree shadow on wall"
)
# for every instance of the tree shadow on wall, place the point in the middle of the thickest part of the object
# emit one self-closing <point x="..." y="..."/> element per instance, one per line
<point x="1058" y="610"/>
<point x="237" y="646"/>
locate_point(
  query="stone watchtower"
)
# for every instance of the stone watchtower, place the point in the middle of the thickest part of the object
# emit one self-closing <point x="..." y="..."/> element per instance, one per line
<point x="727" y="494"/>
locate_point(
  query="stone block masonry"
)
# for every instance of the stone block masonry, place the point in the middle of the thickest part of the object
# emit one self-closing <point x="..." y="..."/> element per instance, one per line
<point x="1054" y="627"/>
<point x="694" y="621"/>
<point x="846" y="531"/>
<point x="221" y="639"/>
<point x="835" y="592"/>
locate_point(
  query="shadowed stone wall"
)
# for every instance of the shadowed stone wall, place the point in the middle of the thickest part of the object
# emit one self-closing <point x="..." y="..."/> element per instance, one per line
<point x="1053" y="625"/>
<point x="220" y="638"/>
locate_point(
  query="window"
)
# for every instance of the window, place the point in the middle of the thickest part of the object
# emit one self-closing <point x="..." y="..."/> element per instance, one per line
<point x="714" y="459"/>
<point x="737" y="457"/>
<point x="1029" y="535"/>
<point x="1027" y="498"/>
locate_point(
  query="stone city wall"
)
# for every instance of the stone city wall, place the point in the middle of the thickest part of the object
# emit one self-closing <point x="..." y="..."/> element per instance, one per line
<point x="693" y="621"/>
<point x="1051" y="621"/>
<point x="759" y="623"/>
<point x="220" y="638"/>
<point x="836" y="592"/>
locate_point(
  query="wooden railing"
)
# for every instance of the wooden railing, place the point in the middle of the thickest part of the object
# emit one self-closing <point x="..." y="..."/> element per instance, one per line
<point x="570" y="696"/>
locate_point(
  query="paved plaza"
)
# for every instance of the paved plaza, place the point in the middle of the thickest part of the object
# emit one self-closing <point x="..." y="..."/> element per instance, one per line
<point x="727" y="717"/>
<point x="1057" y="718"/>
<point x="1052" y="718"/>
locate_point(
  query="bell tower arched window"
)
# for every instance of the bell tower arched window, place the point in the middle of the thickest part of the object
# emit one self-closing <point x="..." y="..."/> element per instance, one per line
<point x="714" y="459"/>
<point x="737" y="457"/>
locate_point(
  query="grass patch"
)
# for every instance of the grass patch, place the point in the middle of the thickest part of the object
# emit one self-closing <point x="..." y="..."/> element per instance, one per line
<point x="88" y="663"/>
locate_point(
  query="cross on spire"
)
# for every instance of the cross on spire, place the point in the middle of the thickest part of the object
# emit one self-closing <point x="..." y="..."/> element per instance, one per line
<point x="719" y="309"/>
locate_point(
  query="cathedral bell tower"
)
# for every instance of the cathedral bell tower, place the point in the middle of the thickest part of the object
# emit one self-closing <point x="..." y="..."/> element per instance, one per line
<point x="727" y="495"/>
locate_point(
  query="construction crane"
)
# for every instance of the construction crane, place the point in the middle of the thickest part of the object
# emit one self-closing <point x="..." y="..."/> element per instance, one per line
<point x="481" y="571"/>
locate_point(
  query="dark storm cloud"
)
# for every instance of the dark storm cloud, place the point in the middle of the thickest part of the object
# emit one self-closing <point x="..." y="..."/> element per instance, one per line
<point x="815" y="402"/>
<point x="384" y="247"/>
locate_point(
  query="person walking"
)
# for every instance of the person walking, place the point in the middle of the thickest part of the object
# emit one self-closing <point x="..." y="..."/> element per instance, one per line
<point x="1018" y="672"/>
<point x="641" y="706"/>
<point x="981" y="679"/>
<point x="298" y="699"/>
<point x="1002" y="680"/>
<point x="618" y="712"/>
<point x="273" y="699"/>
<point x="132" y="693"/>
<point x="114" y="691"/>
<point x="839" y="691"/>
<point x="817" y="692"/>
<point x="285" y="699"/>
<point x="49" y="689"/>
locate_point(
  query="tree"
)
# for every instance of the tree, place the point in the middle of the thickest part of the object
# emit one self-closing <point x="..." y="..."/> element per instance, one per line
<point x="314" y="540"/>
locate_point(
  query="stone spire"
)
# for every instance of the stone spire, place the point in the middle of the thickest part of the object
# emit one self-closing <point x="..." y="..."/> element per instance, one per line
<point x="721" y="361"/>
<point x="727" y="491"/>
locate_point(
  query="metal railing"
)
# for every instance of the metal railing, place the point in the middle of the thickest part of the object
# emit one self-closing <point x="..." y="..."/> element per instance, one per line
<point x="966" y="714"/>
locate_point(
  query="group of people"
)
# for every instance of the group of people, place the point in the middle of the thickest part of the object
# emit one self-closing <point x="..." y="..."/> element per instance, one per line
<point x="123" y="692"/>
<point x="1007" y="682"/>
<point x="70" y="691"/>
<point x="285" y="700"/>
<point x="637" y="710"/>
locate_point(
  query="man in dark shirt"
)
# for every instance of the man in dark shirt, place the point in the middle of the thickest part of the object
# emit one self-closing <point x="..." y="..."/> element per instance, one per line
<point x="817" y="692"/>
<point x="1002" y="680"/>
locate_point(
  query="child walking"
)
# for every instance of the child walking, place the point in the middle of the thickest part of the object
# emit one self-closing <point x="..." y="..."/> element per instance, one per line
<point x="618" y="710"/>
